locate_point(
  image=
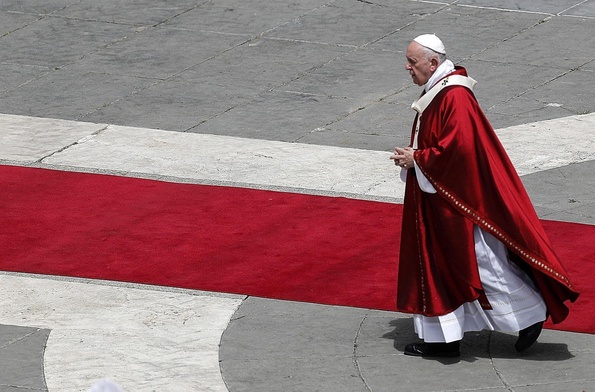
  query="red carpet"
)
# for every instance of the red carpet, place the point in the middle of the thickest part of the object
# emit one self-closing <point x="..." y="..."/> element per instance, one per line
<point x="270" y="244"/>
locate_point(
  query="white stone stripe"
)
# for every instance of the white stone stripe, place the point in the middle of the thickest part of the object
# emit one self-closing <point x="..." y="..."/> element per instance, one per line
<point x="545" y="145"/>
<point x="142" y="339"/>
<point x="259" y="163"/>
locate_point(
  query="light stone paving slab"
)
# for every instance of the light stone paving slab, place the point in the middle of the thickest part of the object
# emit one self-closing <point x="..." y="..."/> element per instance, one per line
<point x="229" y="159"/>
<point x="29" y="139"/>
<point x="205" y="158"/>
<point x="549" y="144"/>
<point x="142" y="338"/>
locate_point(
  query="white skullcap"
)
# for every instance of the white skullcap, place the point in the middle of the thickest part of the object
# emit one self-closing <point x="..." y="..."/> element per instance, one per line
<point x="430" y="41"/>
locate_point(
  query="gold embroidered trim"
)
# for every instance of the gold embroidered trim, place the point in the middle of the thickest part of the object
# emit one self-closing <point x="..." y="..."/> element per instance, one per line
<point x="419" y="256"/>
<point x="496" y="232"/>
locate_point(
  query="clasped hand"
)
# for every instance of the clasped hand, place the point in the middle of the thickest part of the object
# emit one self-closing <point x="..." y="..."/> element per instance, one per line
<point x="403" y="157"/>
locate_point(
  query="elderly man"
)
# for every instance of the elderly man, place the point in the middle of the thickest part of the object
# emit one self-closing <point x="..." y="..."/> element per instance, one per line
<point x="473" y="253"/>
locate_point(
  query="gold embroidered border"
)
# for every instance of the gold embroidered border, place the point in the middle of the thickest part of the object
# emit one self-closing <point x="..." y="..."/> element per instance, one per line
<point x="496" y="231"/>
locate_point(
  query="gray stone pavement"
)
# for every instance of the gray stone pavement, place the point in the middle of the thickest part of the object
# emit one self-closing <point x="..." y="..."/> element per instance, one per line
<point x="319" y="72"/>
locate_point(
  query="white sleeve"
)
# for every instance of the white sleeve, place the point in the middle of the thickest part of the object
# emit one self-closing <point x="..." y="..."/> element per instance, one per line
<point x="404" y="174"/>
<point x="423" y="182"/>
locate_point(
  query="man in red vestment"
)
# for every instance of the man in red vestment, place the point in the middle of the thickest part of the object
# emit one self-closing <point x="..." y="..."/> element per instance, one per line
<point x="473" y="253"/>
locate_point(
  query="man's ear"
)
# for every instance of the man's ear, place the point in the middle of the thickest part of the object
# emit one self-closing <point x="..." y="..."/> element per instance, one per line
<point x="433" y="63"/>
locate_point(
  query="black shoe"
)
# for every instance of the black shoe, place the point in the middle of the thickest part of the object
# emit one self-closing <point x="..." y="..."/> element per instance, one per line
<point x="433" y="349"/>
<point x="528" y="336"/>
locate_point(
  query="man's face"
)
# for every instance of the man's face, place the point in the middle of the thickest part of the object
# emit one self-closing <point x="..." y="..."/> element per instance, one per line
<point x="419" y="66"/>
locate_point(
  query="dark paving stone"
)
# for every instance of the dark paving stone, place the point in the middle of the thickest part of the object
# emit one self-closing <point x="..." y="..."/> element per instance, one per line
<point x="21" y="358"/>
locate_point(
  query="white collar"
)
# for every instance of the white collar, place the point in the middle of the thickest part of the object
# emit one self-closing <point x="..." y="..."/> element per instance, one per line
<point x="453" y="80"/>
<point x="443" y="69"/>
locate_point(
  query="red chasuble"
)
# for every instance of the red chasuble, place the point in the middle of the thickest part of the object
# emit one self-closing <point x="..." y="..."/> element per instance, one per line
<point x="476" y="183"/>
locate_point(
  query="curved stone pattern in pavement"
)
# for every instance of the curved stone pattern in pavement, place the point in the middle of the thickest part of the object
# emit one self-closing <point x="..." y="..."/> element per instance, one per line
<point x="146" y="338"/>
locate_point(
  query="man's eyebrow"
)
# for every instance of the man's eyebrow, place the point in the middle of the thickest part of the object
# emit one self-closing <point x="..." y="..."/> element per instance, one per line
<point x="411" y="60"/>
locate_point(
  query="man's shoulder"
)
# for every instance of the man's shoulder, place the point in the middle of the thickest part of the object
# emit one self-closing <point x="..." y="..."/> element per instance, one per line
<point x="457" y="78"/>
<point x="459" y="70"/>
<point x="458" y="84"/>
<point x="457" y="95"/>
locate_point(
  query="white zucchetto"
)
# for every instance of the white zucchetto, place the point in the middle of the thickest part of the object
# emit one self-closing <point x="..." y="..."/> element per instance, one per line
<point x="431" y="41"/>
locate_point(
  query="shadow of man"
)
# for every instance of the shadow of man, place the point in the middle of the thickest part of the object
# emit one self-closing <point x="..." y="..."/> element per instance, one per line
<point x="481" y="345"/>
